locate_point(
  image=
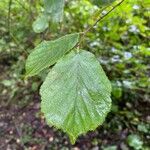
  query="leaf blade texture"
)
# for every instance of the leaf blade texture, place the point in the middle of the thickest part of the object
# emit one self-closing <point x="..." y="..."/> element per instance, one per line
<point x="76" y="94"/>
<point x="48" y="52"/>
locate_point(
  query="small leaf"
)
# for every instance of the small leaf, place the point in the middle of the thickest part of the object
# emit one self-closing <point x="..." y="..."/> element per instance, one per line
<point x="7" y="83"/>
<point x="48" y="52"/>
<point x="76" y="94"/>
<point x="54" y="9"/>
<point x="116" y="91"/>
<point x="135" y="141"/>
<point x="145" y="128"/>
<point x="40" y="24"/>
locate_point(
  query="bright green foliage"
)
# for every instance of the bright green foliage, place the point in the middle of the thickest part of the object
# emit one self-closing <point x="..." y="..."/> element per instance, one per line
<point x="54" y="9"/>
<point x="40" y="24"/>
<point x="102" y="2"/>
<point x="48" y="52"/>
<point x="116" y="91"/>
<point x="76" y="94"/>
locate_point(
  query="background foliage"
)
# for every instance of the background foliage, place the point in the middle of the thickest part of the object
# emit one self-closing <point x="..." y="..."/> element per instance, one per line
<point x="122" y="45"/>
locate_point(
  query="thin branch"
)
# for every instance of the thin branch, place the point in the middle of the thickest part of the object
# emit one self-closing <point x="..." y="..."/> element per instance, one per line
<point x="99" y="19"/>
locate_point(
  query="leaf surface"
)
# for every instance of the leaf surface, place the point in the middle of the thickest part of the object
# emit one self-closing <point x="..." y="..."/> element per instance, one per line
<point x="48" y="52"/>
<point x="76" y="94"/>
<point x="54" y="9"/>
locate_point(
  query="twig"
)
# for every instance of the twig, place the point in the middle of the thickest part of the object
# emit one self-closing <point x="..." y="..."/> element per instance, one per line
<point x="99" y="19"/>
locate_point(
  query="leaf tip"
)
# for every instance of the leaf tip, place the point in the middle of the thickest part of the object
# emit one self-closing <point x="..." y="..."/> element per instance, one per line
<point x="72" y="139"/>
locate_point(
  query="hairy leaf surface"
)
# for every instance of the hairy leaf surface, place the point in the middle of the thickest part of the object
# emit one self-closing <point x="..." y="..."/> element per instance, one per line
<point x="76" y="94"/>
<point x="54" y="9"/>
<point x="48" y="52"/>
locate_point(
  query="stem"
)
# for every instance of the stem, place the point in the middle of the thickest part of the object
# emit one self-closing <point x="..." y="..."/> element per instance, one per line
<point x="99" y="19"/>
<point x="9" y="12"/>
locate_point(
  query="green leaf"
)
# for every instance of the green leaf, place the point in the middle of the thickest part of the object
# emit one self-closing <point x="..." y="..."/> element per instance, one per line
<point x="48" y="52"/>
<point x="76" y="94"/>
<point x="54" y="9"/>
<point x="135" y="141"/>
<point x="116" y="91"/>
<point x="40" y="24"/>
<point x="102" y="2"/>
<point x="143" y="127"/>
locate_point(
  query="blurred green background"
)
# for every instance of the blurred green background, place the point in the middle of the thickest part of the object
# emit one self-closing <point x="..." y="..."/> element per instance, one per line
<point x="121" y="42"/>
